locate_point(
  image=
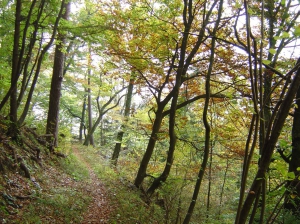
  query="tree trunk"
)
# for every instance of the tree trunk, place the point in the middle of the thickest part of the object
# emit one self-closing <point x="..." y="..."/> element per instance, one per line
<point x="205" y="118"/>
<point x="141" y="174"/>
<point x="120" y="134"/>
<point x="292" y="201"/>
<point x="185" y="61"/>
<point x="172" y="135"/>
<point x="55" y="91"/>
<point x="91" y="131"/>
<point x="117" y="149"/>
<point x="209" y="179"/>
<point x="222" y="188"/>
<point x="102" y="133"/>
<point x="269" y="147"/>
<point x="82" y="121"/>
<point x="13" y="129"/>
<point x="38" y="67"/>
<point x="23" y="64"/>
<point x="102" y="111"/>
<point x="90" y="116"/>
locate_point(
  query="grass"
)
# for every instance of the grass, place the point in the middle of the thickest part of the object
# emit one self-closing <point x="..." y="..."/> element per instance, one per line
<point x="60" y="197"/>
<point x="126" y="199"/>
<point x="61" y="205"/>
<point x="63" y="196"/>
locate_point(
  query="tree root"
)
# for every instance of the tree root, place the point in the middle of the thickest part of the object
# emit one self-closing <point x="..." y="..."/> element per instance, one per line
<point x="36" y="149"/>
<point x="58" y="154"/>
<point x="24" y="168"/>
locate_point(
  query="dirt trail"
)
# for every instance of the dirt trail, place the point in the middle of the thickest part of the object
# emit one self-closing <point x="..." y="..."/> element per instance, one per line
<point x="99" y="209"/>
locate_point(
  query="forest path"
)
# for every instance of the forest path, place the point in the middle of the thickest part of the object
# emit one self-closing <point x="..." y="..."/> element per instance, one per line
<point x="99" y="209"/>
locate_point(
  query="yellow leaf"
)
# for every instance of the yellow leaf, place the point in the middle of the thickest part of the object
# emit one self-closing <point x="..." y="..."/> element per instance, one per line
<point x="293" y="196"/>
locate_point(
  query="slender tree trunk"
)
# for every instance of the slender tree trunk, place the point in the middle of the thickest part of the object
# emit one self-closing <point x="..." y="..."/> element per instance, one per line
<point x="82" y="121"/>
<point x="258" y="124"/>
<point x="205" y="121"/>
<point x="172" y="135"/>
<point x="292" y="203"/>
<point x="13" y="129"/>
<point x="159" y="117"/>
<point x="103" y="110"/>
<point x="23" y="65"/>
<point x="91" y="131"/>
<point x="120" y="134"/>
<point x="222" y="189"/>
<point x="265" y="83"/>
<point x="102" y="133"/>
<point x="12" y="92"/>
<point x="209" y="180"/>
<point x="184" y="62"/>
<point x="141" y="174"/>
<point x="90" y="116"/>
<point x="57" y="77"/>
<point x="38" y="67"/>
<point x="205" y="159"/>
<point x="269" y="147"/>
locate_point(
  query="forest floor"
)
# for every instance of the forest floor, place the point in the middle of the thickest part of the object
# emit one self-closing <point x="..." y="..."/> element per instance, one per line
<point x="100" y="208"/>
<point x="65" y="191"/>
<point x="76" y="184"/>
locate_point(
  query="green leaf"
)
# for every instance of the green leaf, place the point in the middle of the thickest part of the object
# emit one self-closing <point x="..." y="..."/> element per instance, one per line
<point x="277" y="38"/>
<point x="238" y="5"/>
<point x="291" y="175"/>
<point x="297" y="31"/>
<point x="285" y="35"/>
<point x="272" y="51"/>
<point x="282" y="2"/>
<point x="266" y="61"/>
<point x="234" y="102"/>
<point x="283" y="143"/>
<point x="250" y="11"/>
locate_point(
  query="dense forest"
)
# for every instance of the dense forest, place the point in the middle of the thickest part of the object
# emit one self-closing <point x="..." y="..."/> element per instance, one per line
<point x="194" y="103"/>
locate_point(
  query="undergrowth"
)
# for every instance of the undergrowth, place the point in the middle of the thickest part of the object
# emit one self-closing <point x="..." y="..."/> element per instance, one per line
<point x="128" y="203"/>
<point x="53" y="190"/>
<point x="56" y="191"/>
<point x="64" y="199"/>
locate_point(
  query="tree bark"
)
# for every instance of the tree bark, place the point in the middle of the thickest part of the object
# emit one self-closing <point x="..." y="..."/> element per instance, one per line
<point x="141" y="174"/>
<point x="120" y="134"/>
<point x="13" y="129"/>
<point x="57" y="77"/>
<point x="172" y="136"/>
<point x="263" y="83"/>
<point x="89" y="107"/>
<point x="102" y="110"/>
<point x="184" y="62"/>
<point x="207" y="145"/>
<point x="269" y="146"/>
<point x="292" y="201"/>
<point x="23" y="64"/>
<point x="38" y="67"/>
<point x="82" y="121"/>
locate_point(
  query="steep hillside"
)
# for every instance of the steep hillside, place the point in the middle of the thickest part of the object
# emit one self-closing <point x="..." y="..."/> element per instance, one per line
<point x="76" y="186"/>
<point x="38" y="187"/>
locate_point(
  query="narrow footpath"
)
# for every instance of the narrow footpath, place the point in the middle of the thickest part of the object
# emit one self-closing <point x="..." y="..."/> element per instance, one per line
<point x="100" y="208"/>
